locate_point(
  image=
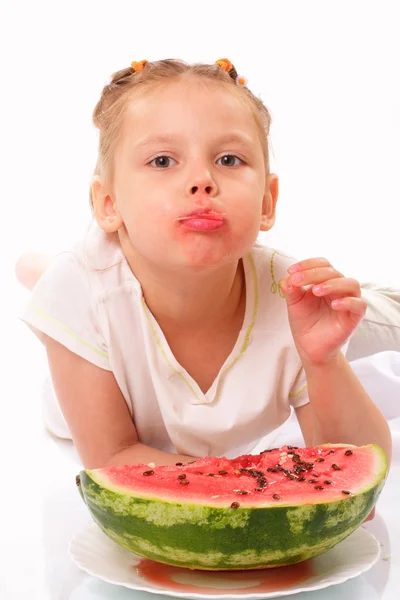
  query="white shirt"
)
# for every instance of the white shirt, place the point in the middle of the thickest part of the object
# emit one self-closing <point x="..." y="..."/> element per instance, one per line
<point x="90" y="301"/>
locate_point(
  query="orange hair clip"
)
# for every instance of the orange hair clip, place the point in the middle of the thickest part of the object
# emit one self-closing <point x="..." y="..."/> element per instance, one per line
<point x="226" y="65"/>
<point x="138" y="66"/>
<point x="240" y="80"/>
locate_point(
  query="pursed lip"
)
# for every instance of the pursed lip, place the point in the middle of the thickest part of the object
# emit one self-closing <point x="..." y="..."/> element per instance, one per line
<point x="203" y="214"/>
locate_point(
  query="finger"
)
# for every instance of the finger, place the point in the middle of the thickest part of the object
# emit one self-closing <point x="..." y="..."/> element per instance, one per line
<point x="341" y="286"/>
<point x="357" y="306"/>
<point x="314" y="276"/>
<point x="309" y="263"/>
<point x="292" y="294"/>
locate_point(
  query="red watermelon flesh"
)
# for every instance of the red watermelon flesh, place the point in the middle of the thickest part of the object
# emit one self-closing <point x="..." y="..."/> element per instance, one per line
<point x="287" y="475"/>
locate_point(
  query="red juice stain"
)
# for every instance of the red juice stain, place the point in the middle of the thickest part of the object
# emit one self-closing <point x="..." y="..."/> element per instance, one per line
<point x="259" y="580"/>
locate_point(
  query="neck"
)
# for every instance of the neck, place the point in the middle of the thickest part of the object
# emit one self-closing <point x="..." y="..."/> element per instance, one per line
<point x="190" y="298"/>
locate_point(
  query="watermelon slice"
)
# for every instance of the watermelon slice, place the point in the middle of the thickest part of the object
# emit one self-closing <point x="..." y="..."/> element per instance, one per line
<point x="281" y="507"/>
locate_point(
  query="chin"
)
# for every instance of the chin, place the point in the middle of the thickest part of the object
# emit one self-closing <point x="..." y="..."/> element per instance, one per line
<point x="212" y="255"/>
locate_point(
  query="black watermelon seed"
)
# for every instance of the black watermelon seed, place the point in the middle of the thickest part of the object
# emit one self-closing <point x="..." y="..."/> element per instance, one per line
<point x="335" y="467"/>
<point x="318" y="487"/>
<point x="346" y="492"/>
<point x="178" y="464"/>
<point x="242" y="492"/>
<point x="259" y="489"/>
<point x="211" y="474"/>
<point x="319" y="459"/>
<point x="184" y="482"/>
<point x="348" y="452"/>
<point x="276" y="497"/>
<point x="235" y="505"/>
<point x="223" y="472"/>
<point x="331" y="452"/>
<point x="182" y="476"/>
<point x="299" y="469"/>
<point x="313" y="481"/>
<point x="258" y="474"/>
<point x="78" y="480"/>
<point x="148" y="473"/>
<point x="301" y="479"/>
<point x="328" y="482"/>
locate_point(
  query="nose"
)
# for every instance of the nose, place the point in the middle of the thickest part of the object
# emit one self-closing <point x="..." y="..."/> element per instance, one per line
<point x="202" y="184"/>
<point x="195" y="189"/>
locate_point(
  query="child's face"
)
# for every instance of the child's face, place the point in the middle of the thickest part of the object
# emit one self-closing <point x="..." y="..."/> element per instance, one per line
<point x="151" y="196"/>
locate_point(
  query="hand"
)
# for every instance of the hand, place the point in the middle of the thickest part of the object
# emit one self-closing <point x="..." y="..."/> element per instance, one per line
<point x="324" y="308"/>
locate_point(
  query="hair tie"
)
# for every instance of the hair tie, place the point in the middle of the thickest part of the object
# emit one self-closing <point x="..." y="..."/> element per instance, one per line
<point x="226" y="65"/>
<point x="138" y="66"/>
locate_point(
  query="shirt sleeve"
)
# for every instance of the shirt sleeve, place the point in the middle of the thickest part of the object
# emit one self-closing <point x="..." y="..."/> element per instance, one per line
<point x="298" y="395"/>
<point x="62" y="307"/>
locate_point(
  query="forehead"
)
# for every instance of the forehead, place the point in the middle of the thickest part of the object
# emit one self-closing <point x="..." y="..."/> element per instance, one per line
<point x="193" y="105"/>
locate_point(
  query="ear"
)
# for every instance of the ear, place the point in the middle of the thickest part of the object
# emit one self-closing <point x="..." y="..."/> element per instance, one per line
<point x="104" y="206"/>
<point x="269" y="202"/>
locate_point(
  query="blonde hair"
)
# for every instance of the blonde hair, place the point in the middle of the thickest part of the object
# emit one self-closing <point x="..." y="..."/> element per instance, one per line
<point x="116" y="97"/>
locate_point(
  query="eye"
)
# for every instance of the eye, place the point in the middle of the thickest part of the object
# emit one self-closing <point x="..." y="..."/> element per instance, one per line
<point x="229" y="156"/>
<point x="163" y="159"/>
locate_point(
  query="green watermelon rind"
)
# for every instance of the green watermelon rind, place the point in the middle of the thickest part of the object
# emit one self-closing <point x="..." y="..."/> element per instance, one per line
<point x="215" y="537"/>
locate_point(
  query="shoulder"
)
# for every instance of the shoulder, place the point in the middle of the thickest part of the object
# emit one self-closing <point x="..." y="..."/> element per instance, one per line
<point x="94" y="265"/>
<point x="271" y="264"/>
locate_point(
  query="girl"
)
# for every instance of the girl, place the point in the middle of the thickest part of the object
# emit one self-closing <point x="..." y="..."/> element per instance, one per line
<point x="170" y="333"/>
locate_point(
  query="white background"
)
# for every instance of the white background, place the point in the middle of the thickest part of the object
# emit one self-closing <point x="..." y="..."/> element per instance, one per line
<point x="328" y="72"/>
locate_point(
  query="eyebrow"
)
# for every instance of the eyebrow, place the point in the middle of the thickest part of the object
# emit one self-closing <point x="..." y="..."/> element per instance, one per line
<point x="170" y="139"/>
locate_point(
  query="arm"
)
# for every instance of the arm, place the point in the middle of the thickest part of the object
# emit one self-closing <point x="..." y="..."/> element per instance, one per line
<point x="96" y="412"/>
<point x="324" y="308"/>
<point x="340" y="409"/>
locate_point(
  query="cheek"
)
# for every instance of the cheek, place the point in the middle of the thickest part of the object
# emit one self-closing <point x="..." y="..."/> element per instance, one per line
<point x="246" y="216"/>
<point x="146" y="222"/>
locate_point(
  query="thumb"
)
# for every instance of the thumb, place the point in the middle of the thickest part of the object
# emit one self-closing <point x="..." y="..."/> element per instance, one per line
<point x="292" y="294"/>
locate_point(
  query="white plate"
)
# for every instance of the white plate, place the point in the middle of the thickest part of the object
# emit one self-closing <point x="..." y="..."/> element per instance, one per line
<point x="98" y="555"/>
